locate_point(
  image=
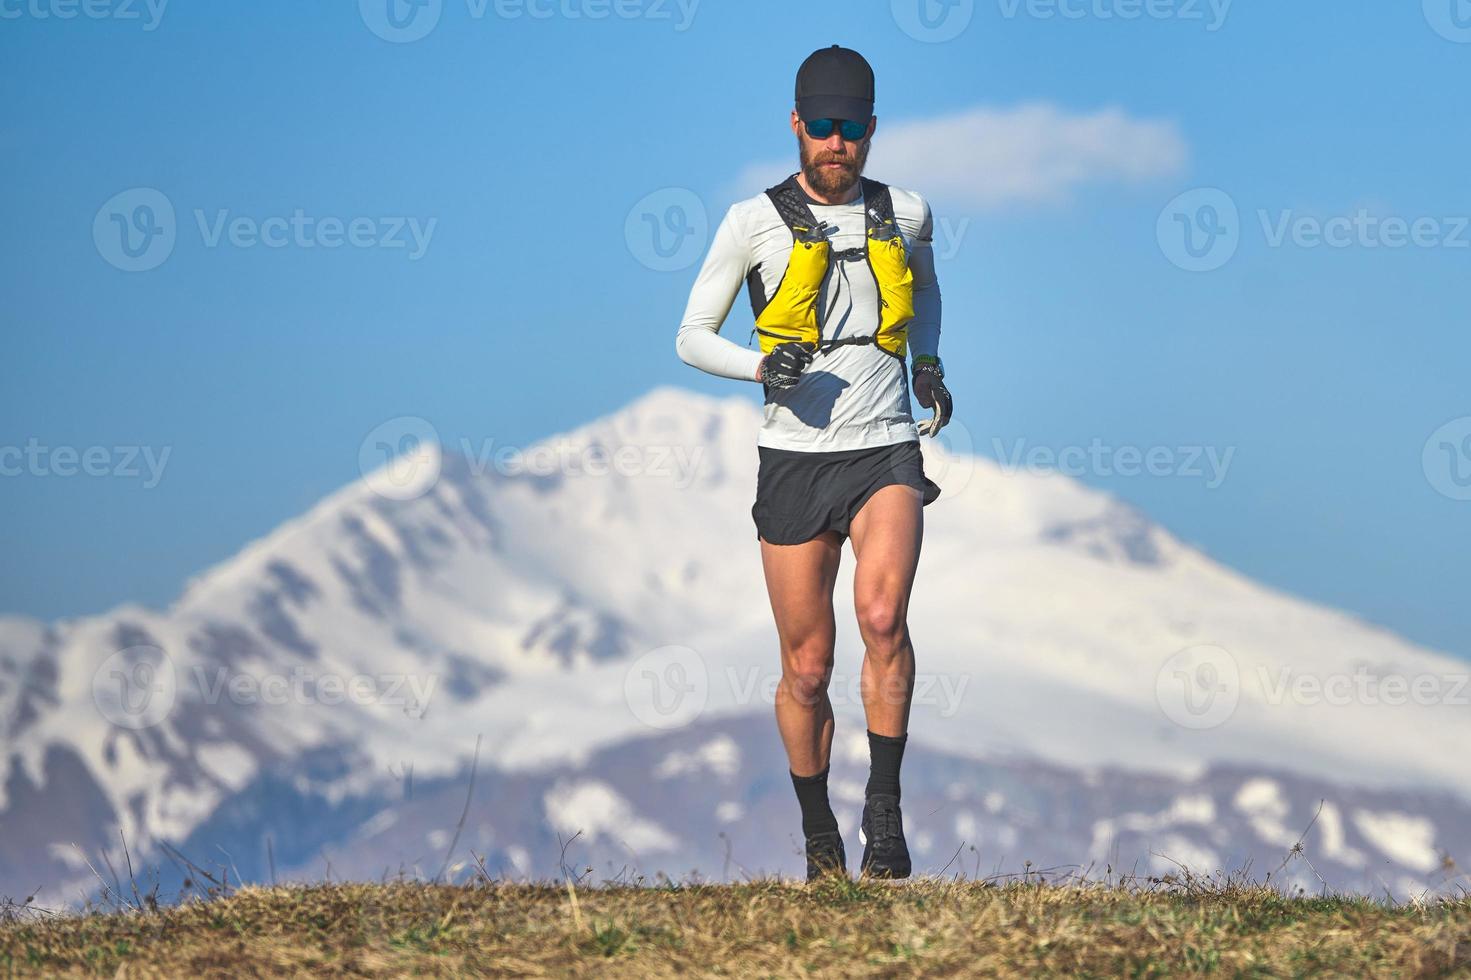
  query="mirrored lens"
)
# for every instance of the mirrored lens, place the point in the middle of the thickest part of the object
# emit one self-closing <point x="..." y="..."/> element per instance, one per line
<point x="820" y="129"/>
<point x="852" y="131"/>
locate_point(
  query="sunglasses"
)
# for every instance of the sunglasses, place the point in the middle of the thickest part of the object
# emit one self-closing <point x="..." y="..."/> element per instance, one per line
<point x="821" y="129"/>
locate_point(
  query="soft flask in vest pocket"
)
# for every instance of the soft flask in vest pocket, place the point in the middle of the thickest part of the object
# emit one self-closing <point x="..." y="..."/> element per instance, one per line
<point x="792" y="312"/>
<point x="890" y="264"/>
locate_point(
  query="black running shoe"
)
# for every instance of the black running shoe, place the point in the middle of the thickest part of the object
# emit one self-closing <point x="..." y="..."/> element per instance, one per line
<point x="885" y="854"/>
<point x="825" y="855"/>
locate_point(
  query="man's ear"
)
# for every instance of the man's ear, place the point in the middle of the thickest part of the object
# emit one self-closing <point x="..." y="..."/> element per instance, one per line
<point x="873" y="125"/>
<point x="796" y="123"/>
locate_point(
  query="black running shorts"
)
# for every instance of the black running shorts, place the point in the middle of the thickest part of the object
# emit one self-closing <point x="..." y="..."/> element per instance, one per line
<point x="800" y="495"/>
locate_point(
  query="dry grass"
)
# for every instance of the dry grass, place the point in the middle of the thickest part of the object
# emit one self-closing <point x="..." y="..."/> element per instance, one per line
<point x="762" y="928"/>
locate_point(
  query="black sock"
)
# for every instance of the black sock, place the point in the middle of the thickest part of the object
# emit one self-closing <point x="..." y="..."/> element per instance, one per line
<point x="817" y="816"/>
<point x="884" y="755"/>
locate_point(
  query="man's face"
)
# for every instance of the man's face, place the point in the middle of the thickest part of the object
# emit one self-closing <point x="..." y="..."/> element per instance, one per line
<point x="833" y="165"/>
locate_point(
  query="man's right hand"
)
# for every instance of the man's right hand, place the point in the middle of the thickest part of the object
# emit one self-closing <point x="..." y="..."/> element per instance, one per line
<point x="783" y="367"/>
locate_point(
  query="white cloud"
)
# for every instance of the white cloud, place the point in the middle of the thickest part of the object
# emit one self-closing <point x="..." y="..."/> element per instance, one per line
<point x="986" y="158"/>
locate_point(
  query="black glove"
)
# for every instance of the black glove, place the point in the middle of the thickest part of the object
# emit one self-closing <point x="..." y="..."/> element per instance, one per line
<point x="938" y="398"/>
<point x="784" y="365"/>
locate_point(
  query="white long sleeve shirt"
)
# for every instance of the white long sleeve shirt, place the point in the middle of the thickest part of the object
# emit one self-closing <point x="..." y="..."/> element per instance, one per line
<point x="852" y="397"/>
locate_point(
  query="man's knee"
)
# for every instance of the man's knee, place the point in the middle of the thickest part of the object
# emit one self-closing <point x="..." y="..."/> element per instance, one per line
<point x="806" y="667"/>
<point x="881" y="620"/>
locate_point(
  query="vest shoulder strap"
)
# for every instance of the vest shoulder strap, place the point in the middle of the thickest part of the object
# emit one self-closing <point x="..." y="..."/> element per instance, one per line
<point x="878" y="204"/>
<point x="791" y="204"/>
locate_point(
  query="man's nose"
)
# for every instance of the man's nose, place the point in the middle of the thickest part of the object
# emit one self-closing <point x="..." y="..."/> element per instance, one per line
<point x="834" y="141"/>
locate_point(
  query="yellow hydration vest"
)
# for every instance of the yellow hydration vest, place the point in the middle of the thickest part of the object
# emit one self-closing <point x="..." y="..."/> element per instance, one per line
<point x="792" y="313"/>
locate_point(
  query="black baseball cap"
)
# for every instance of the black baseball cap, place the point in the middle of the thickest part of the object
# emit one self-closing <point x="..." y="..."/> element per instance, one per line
<point x="835" y="83"/>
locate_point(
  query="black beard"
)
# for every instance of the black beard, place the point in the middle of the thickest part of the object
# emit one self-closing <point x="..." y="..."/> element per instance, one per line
<point x="830" y="183"/>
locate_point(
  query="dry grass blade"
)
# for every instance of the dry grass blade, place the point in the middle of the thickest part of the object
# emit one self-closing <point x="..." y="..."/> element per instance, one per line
<point x="1139" y="926"/>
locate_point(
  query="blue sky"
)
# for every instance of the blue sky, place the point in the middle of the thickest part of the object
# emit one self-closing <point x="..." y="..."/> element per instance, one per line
<point x="526" y="132"/>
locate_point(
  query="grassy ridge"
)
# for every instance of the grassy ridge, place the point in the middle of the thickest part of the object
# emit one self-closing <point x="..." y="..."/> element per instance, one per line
<point x="760" y="929"/>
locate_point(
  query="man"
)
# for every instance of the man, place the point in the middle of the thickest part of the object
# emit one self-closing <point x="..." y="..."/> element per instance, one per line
<point x="841" y="278"/>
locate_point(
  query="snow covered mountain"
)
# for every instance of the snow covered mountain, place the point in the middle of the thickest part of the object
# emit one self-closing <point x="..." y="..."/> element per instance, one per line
<point x="591" y="612"/>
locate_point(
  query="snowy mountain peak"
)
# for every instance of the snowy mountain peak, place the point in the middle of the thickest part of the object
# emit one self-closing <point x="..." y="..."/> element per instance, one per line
<point x="526" y="595"/>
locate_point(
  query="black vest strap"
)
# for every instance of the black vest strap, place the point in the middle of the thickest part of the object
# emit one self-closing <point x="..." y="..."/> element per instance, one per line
<point x="791" y="204"/>
<point x="878" y="204"/>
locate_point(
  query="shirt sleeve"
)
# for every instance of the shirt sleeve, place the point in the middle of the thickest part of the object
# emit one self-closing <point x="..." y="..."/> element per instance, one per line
<point x="699" y="343"/>
<point x="924" y="329"/>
